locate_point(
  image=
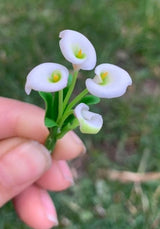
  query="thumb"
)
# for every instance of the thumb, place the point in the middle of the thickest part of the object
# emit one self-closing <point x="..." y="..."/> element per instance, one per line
<point x="21" y="163"/>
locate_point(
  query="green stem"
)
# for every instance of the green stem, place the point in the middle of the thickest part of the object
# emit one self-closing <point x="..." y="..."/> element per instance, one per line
<point x="60" y="105"/>
<point x="77" y="99"/>
<point x="69" y="110"/>
<point x="66" y="129"/>
<point x="51" y="139"/>
<point x="70" y="90"/>
<point x="64" y="117"/>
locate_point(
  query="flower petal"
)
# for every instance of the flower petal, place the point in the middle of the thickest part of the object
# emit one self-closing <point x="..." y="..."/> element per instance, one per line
<point x="115" y="85"/>
<point x="39" y="78"/>
<point x="90" y="123"/>
<point x="72" y="42"/>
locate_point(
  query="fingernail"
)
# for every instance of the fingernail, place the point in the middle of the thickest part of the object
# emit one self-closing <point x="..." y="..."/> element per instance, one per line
<point x="65" y="171"/>
<point x="78" y="141"/>
<point x="49" y="209"/>
<point x="24" y="163"/>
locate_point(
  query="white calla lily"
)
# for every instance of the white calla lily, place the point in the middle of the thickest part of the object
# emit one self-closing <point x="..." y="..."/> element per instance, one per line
<point x="47" y="77"/>
<point x="77" y="49"/>
<point x="90" y="123"/>
<point x="110" y="81"/>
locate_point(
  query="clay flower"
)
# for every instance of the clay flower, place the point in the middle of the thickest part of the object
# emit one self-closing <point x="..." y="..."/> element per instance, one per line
<point x="47" y="77"/>
<point x="64" y="112"/>
<point x="110" y="81"/>
<point x="77" y="49"/>
<point x="90" y="123"/>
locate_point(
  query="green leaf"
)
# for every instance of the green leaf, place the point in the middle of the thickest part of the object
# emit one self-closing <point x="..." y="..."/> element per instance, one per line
<point x="49" y="122"/>
<point x="69" y="126"/>
<point x="90" y="99"/>
<point x="48" y="99"/>
<point x="51" y="109"/>
<point x="70" y="119"/>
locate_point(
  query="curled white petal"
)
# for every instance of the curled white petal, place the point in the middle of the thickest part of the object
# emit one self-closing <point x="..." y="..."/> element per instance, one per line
<point x="90" y="123"/>
<point x="72" y="42"/>
<point x="39" y="78"/>
<point x="115" y="84"/>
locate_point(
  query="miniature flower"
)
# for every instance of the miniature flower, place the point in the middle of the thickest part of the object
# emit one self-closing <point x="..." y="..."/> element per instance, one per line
<point x="110" y="81"/>
<point x="77" y="49"/>
<point x="47" y="77"/>
<point x="90" y="123"/>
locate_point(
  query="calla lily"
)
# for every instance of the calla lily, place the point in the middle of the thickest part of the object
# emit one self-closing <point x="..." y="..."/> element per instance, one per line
<point x="47" y="77"/>
<point x="77" y="49"/>
<point x="90" y="123"/>
<point x="110" y="81"/>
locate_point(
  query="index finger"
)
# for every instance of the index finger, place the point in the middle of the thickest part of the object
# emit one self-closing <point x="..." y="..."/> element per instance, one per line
<point x="20" y="119"/>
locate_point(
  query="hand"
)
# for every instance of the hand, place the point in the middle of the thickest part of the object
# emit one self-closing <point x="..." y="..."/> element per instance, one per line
<point x="26" y="167"/>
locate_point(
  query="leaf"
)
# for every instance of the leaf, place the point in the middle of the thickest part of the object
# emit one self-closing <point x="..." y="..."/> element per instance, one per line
<point x="51" y="110"/>
<point x="48" y="99"/>
<point x="49" y="122"/>
<point x="90" y="99"/>
<point x="69" y="126"/>
<point x="69" y="119"/>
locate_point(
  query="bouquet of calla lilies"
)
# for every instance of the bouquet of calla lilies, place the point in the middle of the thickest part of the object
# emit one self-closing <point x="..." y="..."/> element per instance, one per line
<point x="55" y="85"/>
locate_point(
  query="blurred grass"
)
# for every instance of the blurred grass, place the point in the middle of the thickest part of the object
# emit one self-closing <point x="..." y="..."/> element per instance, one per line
<point x="125" y="33"/>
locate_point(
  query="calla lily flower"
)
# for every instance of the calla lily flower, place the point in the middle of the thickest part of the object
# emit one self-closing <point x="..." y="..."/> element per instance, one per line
<point x="47" y="77"/>
<point x="77" y="49"/>
<point x="90" y="123"/>
<point x="110" y="81"/>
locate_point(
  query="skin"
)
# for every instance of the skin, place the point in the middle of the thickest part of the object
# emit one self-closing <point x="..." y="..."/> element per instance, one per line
<point x="27" y="170"/>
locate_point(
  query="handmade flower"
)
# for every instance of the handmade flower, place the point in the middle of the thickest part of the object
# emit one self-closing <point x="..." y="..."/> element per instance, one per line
<point x="77" y="49"/>
<point x="47" y="77"/>
<point x="110" y="81"/>
<point x="90" y="123"/>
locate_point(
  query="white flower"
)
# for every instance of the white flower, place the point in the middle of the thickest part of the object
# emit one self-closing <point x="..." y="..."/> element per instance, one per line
<point x="110" y="81"/>
<point x="90" y="123"/>
<point x="77" y="49"/>
<point x="47" y="77"/>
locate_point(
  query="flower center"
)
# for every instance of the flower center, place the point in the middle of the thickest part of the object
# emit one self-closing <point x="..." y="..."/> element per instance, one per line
<point x="104" y="77"/>
<point x="79" y="53"/>
<point x="55" y="76"/>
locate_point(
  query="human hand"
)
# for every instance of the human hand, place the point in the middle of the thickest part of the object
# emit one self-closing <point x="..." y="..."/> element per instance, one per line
<point x="26" y="168"/>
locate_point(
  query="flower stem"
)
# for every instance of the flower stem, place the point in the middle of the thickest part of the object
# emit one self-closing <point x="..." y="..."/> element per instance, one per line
<point x="66" y="129"/>
<point x="64" y="117"/>
<point x="66" y="100"/>
<point x="69" y="110"/>
<point x="51" y="139"/>
<point x="77" y="99"/>
<point x="60" y="105"/>
<point x="64" y="112"/>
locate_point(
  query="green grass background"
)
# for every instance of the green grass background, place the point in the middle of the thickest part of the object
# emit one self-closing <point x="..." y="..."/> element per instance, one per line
<point x="123" y="32"/>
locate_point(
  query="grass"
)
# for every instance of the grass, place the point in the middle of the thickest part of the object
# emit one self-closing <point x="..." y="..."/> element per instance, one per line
<point x="125" y="33"/>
